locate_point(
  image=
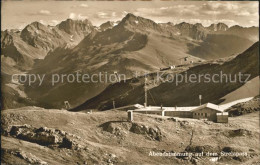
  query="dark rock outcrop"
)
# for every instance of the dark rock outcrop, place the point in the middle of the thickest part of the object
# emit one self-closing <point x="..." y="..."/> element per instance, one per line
<point x="44" y="136"/>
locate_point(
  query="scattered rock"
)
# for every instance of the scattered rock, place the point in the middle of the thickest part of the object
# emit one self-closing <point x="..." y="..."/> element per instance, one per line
<point x="199" y="149"/>
<point x="194" y="160"/>
<point x="172" y="119"/>
<point x="117" y="128"/>
<point x="66" y="143"/>
<point x="160" y="120"/>
<point x="230" y="149"/>
<point x="183" y="123"/>
<point x="45" y="136"/>
<point x="239" y="132"/>
<point x="28" y="157"/>
<point x="208" y="122"/>
<point x="153" y="133"/>
<point x="42" y="136"/>
<point x="112" y="155"/>
<point x="251" y="150"/>
<point x="122" y="128"/>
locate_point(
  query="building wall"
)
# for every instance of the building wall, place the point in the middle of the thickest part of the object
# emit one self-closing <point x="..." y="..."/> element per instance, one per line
<point x="150" y="112"/>
<point x="222" y="118"/>
<point x="205" y="113"/>
<point x="184" y="114"/>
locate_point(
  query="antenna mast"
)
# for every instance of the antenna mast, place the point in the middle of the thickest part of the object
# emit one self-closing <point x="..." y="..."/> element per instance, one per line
<point x="145" y="92"/>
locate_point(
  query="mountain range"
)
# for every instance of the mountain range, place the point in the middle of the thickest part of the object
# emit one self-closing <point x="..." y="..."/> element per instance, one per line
<point x="168" y="93"/>
<point x="134" y="44"/>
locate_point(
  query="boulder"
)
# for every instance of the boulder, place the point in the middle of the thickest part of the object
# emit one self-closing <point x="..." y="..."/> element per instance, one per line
<point x="151" y="132"/>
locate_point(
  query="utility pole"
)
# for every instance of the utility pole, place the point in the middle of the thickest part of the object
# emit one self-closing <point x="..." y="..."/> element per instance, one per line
<point x="117" y="76"/>
<point x="67" y="105"/>
<point x="145" y="92"/>
<point x="114" y="104"/>
<point x="200" y="97"/>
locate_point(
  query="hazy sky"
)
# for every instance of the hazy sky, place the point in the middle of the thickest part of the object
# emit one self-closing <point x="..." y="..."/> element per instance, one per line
<point x="18" y="14"/>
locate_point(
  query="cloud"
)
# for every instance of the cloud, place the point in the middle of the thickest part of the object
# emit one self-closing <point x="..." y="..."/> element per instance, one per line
<point x="83" y="5"/>
<point x="42" y="22"/>
<point x="151" y="12"/>
<point x="206" y="9"/>
<point x="103" y="15"/>
<point x="22" y="26"/>
<point x="211" y="12"/>
<point x="229" y="22"/>
<point x="44" y="12"/>
<point x="254" y="22"/>
<point x="205" y="13"/>
<point x="207" y="22"/>
<point x="243" y="13"/>
<point x="231" y="13"/>
<point x="229" y="9"/>
<point x="54" y="22"/>
<point x="49" y="22"/>
<point x="72" y="16"/>
<point x="113" y="14"/>
<point x="164" y="8"/>
<point x="169" y="11"/>
<point x="82" y="17"/>
<point x="204" y="22"/>
<point x="124" y="13"/>
<point x="106" y="15"/>
<point x="39" y="13"/>
<point x="77" y="16"/>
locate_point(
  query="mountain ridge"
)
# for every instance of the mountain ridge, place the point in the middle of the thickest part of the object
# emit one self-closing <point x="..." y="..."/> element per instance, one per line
<point x="135" y="44"/>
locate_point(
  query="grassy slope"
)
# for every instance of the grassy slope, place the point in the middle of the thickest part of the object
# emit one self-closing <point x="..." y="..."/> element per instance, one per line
<point x="250" y="89"/>
<point x="136" y="54"/>
<point x="245" y="107"/>
<point x="183" y="94"/>
<point x="245" y="63"/>
<point x="218" y="46"/>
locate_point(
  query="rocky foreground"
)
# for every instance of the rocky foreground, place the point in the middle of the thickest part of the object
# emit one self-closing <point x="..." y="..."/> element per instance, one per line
<point x="34" y="135"/>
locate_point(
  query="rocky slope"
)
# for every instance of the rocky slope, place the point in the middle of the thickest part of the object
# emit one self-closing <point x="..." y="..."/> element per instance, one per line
<point x="17" y="50"/>
<point x="107" y="25"/>
<point x="36" y="39"/>
<point x="77" y="29"/>
<point x="21" y="50"/>
<point x="122" y="49"/>
<point x="218" y="27"/>
<point x="42" y="37"/>
<point x="34" y="135"/>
